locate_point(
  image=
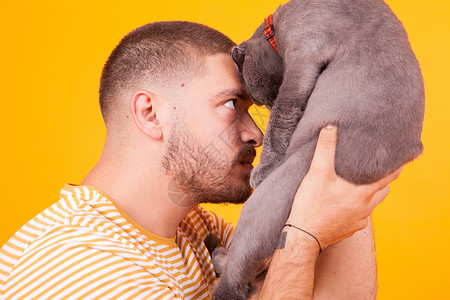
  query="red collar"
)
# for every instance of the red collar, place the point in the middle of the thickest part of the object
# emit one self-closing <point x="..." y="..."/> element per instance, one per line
<point x="269" y="33"/>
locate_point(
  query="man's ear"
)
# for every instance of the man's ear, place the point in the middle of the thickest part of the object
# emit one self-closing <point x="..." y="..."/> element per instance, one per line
<point x="145" y="115"/>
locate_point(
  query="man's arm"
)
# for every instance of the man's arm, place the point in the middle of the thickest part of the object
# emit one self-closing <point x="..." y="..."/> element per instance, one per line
<point x="331" y="209"/>
<point x="291" y="272"/>
<point x="347" y="270"/>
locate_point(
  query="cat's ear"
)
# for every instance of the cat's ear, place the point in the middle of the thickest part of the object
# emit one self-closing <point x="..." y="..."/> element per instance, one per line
<point x="238" y="55"/>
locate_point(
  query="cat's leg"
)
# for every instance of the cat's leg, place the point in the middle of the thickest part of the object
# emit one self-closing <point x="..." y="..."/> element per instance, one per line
<point x="299" y="80"/>
<point x="260" y="224"/>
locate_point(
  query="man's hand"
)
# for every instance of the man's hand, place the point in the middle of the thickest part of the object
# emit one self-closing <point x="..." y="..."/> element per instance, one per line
<point x="331" y="209"/>
<point x="328" y="206"/>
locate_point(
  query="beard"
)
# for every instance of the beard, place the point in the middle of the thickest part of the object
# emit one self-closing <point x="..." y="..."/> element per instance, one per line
<point x="204" y="174"/>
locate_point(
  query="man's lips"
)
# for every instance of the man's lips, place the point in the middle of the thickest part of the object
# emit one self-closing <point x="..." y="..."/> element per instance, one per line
<point x="247" y="166"/>
<point x="247" y="162"/>
<point x="246" y="157"/>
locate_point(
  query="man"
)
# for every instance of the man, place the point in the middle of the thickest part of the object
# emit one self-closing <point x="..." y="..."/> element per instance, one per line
<point x="179" y="134"/>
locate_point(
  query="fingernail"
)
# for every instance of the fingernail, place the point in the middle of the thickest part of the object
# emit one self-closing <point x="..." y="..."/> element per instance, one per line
<point x="330" y="126"/>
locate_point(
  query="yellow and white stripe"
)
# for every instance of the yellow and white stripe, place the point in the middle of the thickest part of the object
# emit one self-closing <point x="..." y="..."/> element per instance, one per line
<point x="86" y="247"/>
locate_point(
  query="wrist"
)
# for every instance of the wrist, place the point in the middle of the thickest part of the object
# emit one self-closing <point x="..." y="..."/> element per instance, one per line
<point x="295" y="258"/>
<point x="288" y="225"/>
<point x="295" y="238"/>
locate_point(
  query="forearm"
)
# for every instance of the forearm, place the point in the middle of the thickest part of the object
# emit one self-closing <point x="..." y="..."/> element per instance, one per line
<point x="336" y="212"/>
<point x="291" y="272"/>
<point x="347" y="270"/>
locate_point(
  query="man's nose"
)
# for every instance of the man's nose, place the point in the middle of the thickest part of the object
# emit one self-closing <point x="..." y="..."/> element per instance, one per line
<point x="250" y="132"/>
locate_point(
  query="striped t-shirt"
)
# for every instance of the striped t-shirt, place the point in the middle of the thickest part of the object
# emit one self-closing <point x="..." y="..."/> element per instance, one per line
<point x="85" y="247"/>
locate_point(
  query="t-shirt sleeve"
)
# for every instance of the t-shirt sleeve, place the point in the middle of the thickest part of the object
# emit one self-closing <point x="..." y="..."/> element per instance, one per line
<point x="81" y="265"/>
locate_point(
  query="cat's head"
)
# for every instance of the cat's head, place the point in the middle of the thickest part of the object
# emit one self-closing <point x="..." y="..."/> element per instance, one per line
<point x="260" y="68"/>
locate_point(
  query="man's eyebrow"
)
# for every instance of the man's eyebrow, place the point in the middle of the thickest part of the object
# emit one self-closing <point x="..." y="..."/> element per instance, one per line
<point x="230" y="92"/>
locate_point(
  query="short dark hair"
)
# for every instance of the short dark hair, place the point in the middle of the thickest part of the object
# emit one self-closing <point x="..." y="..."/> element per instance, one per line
<point x="157" y="52"/>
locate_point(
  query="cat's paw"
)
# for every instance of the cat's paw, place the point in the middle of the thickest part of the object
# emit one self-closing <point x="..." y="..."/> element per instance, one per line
<point x="259" y="174"/>
<point x="226" y="291"/>
<point x="219" y="257"/>
<point x="216" y="251"/>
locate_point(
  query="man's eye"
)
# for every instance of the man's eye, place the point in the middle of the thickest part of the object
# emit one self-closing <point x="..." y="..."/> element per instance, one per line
<point x="230" y="103"/>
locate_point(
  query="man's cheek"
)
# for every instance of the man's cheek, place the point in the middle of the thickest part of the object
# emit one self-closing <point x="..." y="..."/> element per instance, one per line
<point x="231" y="139"/>
<point x="215" y="154"/>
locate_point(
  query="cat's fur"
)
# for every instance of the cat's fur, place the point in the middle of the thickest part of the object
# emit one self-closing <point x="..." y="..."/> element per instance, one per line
<point x="342" y="62"/>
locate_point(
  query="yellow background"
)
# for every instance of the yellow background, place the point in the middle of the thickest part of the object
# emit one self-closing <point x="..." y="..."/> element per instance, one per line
<point x="51" y="55"/>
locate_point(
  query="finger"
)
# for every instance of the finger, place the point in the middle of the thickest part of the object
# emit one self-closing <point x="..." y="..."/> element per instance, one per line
<point x="379" y="196"/>
<point x="387" y="179"/>
<point x="325" y="149"/>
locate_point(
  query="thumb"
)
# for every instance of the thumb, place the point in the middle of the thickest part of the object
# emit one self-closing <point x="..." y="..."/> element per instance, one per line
<point x="323" y="159"/>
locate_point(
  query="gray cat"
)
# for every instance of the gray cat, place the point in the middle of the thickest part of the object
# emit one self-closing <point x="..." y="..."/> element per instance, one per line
<point x="319" y="62"/>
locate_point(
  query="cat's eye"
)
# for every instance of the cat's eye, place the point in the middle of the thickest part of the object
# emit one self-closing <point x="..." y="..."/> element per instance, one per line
<point x="230" y="103"/>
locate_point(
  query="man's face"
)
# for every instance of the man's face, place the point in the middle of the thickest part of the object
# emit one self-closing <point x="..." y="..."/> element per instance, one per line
<point x="211" y="147"/>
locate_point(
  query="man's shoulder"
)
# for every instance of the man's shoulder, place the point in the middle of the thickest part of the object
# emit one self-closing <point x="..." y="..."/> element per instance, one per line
<point x="69" y="222"/>
<point x="80" y="250"/>
<point x="55" y="228"/>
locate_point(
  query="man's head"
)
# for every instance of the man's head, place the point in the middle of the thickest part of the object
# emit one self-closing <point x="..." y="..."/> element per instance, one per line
<point x="156" y="55"/>
<point x="188" y="109"/>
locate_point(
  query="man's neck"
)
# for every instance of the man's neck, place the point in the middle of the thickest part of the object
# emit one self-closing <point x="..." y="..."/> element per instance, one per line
<point x="141" y="189"/>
